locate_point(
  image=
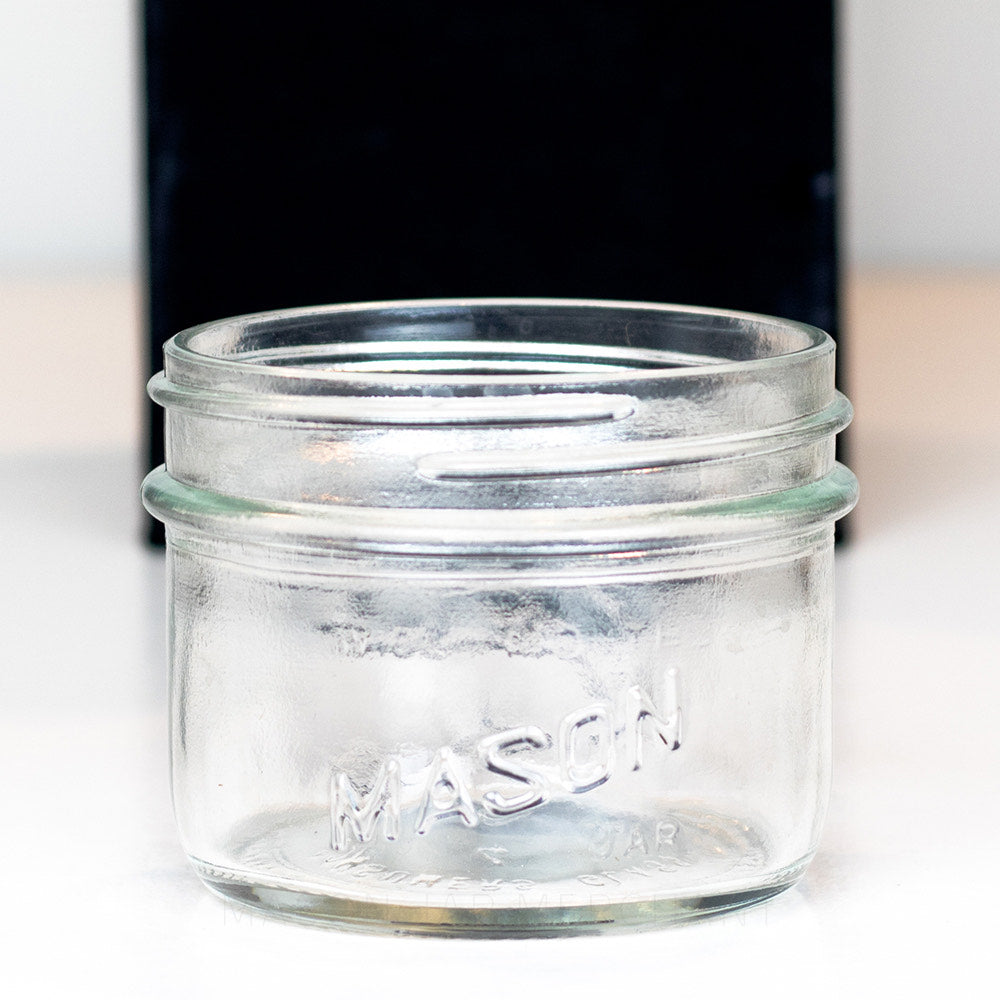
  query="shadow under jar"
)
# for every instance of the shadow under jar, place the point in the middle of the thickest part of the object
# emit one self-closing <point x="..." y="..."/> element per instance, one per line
<point x="501" y="617"/>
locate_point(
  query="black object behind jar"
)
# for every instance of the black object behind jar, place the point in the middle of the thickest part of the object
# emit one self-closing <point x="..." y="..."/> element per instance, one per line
<point x="308" y="153"/>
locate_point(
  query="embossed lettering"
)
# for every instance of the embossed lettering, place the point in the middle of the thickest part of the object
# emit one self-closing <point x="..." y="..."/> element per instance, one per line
<point x="445" y="794"/>
<point x="394" y="876"/>
<point x="427" y="880"/>
<point x="591" y="742"/>
<point x="636" y="871"/>
<point x="492" y="750"/>
<point x="666" y="721"/>
<point x="584" y="777"/>
<point x="343" y="863"/>
<point x="636" y="842"/>
<point x="350" y="811"/>
<point x="666" y="833"/>
<point x="372" y="869"/>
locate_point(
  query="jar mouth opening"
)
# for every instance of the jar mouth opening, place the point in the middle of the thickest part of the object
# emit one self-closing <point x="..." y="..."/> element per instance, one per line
<point x="495" y="342"/>
<point x="487" y="359"/>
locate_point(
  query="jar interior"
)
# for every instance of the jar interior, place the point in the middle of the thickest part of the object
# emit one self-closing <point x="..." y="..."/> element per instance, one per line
<point x="495" y="338"/>
<point x="469" y="358"/>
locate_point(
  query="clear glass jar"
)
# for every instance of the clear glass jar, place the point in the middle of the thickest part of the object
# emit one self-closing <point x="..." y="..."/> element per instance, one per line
<point x="500" y="617"/>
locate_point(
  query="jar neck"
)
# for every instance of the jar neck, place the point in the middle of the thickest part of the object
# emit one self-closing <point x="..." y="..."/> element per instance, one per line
<point x="617" y="409"/>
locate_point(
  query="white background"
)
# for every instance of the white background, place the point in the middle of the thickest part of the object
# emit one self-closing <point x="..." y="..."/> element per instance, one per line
<point x="919" y="132"/>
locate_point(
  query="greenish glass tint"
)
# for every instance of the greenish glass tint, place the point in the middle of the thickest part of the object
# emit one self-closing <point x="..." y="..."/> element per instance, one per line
<point x="500" y="617"/>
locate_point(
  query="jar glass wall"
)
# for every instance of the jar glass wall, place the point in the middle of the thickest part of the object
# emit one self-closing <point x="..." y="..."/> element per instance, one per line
<point x="500" y="617"/>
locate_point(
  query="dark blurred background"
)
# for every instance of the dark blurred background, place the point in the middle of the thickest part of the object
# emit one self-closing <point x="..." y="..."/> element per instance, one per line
<point x="310" y="153"/>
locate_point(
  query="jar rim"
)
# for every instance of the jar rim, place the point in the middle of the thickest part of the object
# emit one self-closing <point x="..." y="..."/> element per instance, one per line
<point x="412" y="406"/>
<point x="210" y="346"/>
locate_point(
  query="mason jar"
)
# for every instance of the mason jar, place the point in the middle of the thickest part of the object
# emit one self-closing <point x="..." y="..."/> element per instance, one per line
<point x="500" y="617"/>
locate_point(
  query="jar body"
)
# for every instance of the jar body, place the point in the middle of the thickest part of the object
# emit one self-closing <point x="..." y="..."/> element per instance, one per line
<point x="474" y="638"/>
<point x="517" y="754"/>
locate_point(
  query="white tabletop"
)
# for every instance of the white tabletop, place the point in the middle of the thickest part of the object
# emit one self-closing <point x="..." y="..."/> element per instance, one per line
<point x="99" y="899"/>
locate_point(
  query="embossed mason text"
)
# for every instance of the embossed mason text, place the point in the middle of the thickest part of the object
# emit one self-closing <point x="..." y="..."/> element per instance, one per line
<point x="532" y="765"/>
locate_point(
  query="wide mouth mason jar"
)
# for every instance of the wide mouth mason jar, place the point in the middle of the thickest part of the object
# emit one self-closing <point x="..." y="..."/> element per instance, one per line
<point x="500" y="616"/>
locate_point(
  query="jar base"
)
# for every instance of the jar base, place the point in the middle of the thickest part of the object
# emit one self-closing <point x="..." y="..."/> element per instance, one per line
<point x="379" y="917"/>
